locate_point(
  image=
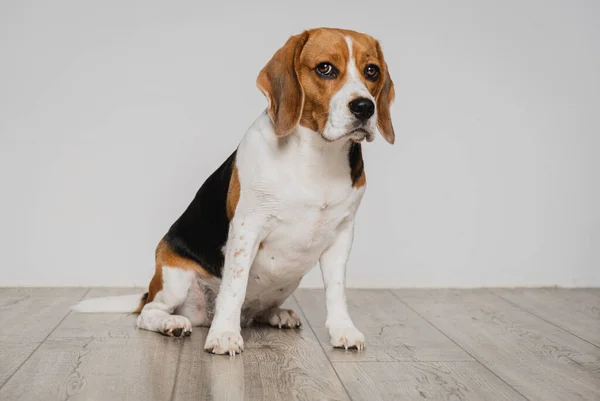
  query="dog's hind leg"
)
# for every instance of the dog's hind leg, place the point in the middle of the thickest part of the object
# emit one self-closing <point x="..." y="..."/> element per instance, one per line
<point x="168" y="290"/>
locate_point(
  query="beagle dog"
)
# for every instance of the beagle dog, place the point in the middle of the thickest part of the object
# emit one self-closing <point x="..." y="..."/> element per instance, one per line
<point x="283" y="201"/>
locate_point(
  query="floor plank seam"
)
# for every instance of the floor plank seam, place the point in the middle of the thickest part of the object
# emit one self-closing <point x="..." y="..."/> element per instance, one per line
<point x="458" y="345"/>
<point x="541" y="318"/>
<point x="173" y="391"/>
<point x="42" y="342"/>
<point x="322" y="348"/>
<point x="415" y="361"/>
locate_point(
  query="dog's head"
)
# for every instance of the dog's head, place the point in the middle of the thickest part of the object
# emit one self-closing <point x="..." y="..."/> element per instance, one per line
<point x="335" y="82"/>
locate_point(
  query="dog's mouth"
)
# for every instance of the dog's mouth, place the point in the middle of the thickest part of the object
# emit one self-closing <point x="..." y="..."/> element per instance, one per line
<point x="359" y="134"/>
<point x="355" y="134"/>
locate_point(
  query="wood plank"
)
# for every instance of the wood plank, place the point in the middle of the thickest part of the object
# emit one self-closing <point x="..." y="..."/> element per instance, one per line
<point x="595" y="291"/>
<point x="539" y="360"/>
<point x="31" y="314"/>
<point x="460" y="381"/>
<point x="276" y="365"/>
<point x="576" y="311"/>
<point x="104" y="325"/>
<point x="97" y="369"/>
<point x="393" y="332"/>
<point x="13" y="352"/>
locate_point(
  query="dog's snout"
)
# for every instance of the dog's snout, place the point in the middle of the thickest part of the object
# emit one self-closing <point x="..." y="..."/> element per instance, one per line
<point x="362" y="108"/>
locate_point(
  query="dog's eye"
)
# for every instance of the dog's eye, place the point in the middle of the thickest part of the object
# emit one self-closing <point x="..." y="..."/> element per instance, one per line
<point x="327" y="70"/>
<point x="372" y="72"/>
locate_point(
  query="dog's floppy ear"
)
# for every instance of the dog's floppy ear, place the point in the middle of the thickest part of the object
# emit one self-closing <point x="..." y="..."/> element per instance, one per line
<point x="384" y="100"/>
<point x="280" y="84"/>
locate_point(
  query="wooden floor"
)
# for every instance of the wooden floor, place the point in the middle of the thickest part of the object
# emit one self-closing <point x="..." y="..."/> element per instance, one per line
<point x="523" y="344"/>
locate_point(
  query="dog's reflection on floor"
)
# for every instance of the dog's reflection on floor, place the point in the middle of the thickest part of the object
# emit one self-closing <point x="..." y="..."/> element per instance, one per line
<point x="226" y="378"/>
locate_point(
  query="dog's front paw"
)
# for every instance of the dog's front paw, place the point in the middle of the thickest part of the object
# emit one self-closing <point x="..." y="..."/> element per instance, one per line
<point x="347" y="337"/>
<point x="224" y="342"/>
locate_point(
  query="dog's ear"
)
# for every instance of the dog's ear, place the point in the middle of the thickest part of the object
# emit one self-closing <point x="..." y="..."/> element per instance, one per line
<point x="384" y="100"/>
<point x="280" y="84"/>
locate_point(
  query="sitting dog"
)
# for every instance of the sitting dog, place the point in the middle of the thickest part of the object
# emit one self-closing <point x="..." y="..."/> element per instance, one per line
<point x="283" y="201"/>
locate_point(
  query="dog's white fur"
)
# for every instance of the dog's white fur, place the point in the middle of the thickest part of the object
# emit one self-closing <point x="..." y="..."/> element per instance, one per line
<point x="158" y="314"/>
<point x="115" y="304"/>
<point x="297" y="199"/>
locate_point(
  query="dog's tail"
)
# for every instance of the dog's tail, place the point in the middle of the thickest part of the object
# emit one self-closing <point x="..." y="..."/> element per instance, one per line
<point x="117" y="304"/>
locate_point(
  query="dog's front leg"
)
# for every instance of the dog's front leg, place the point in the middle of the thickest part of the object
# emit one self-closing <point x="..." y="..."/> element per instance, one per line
<point x="333" y="266"/>
<point x="224" y="335"/>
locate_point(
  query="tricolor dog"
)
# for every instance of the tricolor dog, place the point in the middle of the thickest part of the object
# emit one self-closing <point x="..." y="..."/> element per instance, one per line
<point x="283" y="201"/>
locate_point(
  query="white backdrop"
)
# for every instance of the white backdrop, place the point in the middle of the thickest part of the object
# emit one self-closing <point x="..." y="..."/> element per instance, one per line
<point x="112" y="114"/>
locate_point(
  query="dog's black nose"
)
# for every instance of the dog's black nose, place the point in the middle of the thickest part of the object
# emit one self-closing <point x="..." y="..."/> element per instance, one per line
<point x="362" y="108"/>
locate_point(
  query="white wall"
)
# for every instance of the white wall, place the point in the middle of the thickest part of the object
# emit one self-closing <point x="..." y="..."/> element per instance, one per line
<point x="112" y="114"/>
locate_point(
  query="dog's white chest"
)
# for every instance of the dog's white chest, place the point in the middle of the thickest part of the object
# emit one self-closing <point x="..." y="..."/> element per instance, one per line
<point x="306" y="221"/>
<point x="298" y="238"/>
